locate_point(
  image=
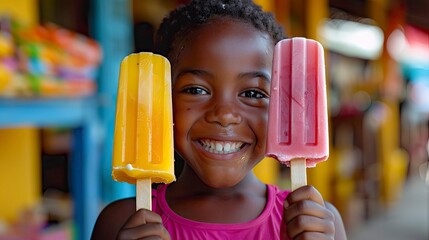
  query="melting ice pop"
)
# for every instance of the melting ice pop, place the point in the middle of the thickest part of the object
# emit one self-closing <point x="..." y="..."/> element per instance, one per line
<point x="143" y="136"/>
<point x="298" y="119"/>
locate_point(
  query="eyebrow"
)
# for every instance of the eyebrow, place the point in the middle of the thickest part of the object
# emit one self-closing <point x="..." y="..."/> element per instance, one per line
<point x="197" y="72"/>
<point x="256" y="74"/>
<point x="253" y="74"/>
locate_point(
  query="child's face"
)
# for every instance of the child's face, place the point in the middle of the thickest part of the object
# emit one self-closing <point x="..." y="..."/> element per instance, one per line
<point x="220" y="98"/>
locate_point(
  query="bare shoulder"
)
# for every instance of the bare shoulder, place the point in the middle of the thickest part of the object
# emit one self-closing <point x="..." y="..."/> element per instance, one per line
<point x="112" y="218"/>
<point x="340" y="232"/>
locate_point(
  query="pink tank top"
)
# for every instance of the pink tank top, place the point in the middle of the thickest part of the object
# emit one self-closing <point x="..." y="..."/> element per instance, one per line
<point x="266" y="226"/>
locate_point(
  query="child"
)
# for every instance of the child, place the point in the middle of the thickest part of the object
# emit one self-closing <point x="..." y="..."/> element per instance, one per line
<point x="221" y="54"/>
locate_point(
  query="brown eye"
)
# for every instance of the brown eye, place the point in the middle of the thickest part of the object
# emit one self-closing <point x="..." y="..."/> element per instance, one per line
<point x="195" y="91"/>
<point x="253" y="94"/>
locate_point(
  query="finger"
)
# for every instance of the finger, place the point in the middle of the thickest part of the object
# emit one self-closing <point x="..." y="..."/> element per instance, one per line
<point x="307" y="207"/>
<point x="152" y="238"/>
<point x="148" y="230"/>
<point x="312" y="235"/>
<point x="305" y="193"/>
<point x="309" y="224"/>
<point x="142" y="216"/>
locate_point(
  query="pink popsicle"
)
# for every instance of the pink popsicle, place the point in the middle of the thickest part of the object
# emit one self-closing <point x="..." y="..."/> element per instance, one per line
<point x="298" y="119"/>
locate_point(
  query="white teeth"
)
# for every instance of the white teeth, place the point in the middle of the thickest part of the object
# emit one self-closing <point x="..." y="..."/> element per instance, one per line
<point x="220" y="147"/>
<point x="227" y="147"/>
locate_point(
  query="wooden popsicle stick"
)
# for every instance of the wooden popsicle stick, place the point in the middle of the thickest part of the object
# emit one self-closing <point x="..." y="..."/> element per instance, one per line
<point x="298" y="173"/>
<point x="144" y="194"/>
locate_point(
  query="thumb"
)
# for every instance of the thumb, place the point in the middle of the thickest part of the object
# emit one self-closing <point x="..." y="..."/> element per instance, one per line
<point x="142" y="216"/>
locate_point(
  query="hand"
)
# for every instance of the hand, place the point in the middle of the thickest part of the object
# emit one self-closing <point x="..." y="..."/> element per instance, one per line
<point x="306" y="216"/>
<point x="144" y="224"/>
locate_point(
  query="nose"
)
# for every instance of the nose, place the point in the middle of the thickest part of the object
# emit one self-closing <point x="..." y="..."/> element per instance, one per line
<point x="225" y="115"/>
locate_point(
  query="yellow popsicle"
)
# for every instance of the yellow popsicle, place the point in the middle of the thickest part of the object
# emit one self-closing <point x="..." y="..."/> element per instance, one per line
<point x="143" y="137"/>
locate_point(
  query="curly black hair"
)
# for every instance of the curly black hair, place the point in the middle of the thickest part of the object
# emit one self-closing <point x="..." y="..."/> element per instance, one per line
<point x="187" y="18"/>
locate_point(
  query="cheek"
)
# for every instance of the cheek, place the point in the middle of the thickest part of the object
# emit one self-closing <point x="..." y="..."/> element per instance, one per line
<point x="259" y="124"/>
<point x="262" y="129"/>
<point x="262" y="117"/>
<point x="183" y="117"/>
<point x="179" y="118"/>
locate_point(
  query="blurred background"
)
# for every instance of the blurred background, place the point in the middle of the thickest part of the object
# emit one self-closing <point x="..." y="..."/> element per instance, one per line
<point x="59" y="66"/>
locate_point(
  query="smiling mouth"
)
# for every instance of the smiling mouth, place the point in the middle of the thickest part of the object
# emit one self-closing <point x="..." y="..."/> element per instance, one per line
<point x="221" y="147"/>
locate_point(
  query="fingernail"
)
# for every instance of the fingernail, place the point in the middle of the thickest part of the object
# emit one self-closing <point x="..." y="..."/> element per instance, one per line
<point x="285" y="204"/>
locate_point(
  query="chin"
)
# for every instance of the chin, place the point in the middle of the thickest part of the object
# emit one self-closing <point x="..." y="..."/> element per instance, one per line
<point x="223" y="182"/>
